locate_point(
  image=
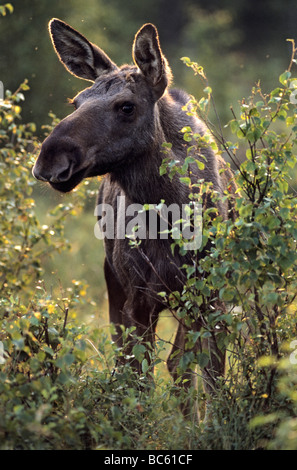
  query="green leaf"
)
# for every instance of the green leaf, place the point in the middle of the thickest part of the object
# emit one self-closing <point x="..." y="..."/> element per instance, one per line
<point x="200" y="165"/>
<point x="202" y="359"/>
<point x="185" y="180"/>
<point x="144" y="366"/>
<point x="283" y="78"/>
<point x="138" y="351"/>
<point x="207" y="90"/>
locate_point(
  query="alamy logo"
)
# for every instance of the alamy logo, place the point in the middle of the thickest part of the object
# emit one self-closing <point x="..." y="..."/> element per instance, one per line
<point x="293" y="355"/>
<point x="293" y="96"/>
<point x="151" y="221"/>
<point x="2" y="353"/>
<point x="1" y="91"/>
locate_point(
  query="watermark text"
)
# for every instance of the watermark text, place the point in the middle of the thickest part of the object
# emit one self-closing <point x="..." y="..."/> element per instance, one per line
<point x="150" y="222"/>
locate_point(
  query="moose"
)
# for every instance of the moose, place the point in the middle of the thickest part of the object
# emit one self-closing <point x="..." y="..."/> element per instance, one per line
<point x="118" y="129"/>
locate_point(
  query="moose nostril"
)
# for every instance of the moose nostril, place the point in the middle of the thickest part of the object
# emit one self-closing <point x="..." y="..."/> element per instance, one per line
<point x="51" y="175"/>
<point x="63" y="175"/>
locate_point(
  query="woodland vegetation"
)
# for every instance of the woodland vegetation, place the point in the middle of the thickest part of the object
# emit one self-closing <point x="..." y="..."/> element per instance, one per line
<point x="58" y="386"/>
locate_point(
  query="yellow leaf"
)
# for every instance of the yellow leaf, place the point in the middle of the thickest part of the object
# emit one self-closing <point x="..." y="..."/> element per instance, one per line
<point x="50" y="308"/>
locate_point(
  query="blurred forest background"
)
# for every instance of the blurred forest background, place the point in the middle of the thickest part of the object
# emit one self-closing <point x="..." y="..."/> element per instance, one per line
<point x="237" y="43"/>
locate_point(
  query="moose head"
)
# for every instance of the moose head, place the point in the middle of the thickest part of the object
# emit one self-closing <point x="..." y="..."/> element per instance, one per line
<point x="114" y="119"/>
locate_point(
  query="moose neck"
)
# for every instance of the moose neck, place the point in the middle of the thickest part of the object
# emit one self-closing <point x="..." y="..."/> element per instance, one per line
<point x="141" y="179"/>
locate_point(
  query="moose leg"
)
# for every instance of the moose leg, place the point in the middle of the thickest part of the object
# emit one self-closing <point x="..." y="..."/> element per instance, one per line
<point x="214" y="347"/>
<point x="214" y="369"/>
<point x="144" y="318"/>
<point x="129" y="313"/>
<point x="188" y="378"/>
<point x="116" y="299"/>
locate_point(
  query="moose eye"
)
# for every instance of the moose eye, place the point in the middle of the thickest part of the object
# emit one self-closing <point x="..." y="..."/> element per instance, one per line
<point x="127" y="108"/>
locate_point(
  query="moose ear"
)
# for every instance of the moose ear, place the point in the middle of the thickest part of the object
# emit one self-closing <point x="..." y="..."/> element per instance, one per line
<point x="79" y="56"/>
<point x="148" y="56"/>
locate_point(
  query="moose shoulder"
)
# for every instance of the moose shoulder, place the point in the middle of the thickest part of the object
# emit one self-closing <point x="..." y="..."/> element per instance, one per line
<point x="117" y="129"/>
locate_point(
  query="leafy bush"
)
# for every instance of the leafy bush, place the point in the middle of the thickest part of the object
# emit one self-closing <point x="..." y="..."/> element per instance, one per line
<point x="250" y="266"/>
<point x="58" y="386"/>
<point x="35" y="354"/>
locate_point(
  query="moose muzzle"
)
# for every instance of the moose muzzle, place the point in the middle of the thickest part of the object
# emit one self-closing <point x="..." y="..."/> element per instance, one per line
<point x="59" y="163"/>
